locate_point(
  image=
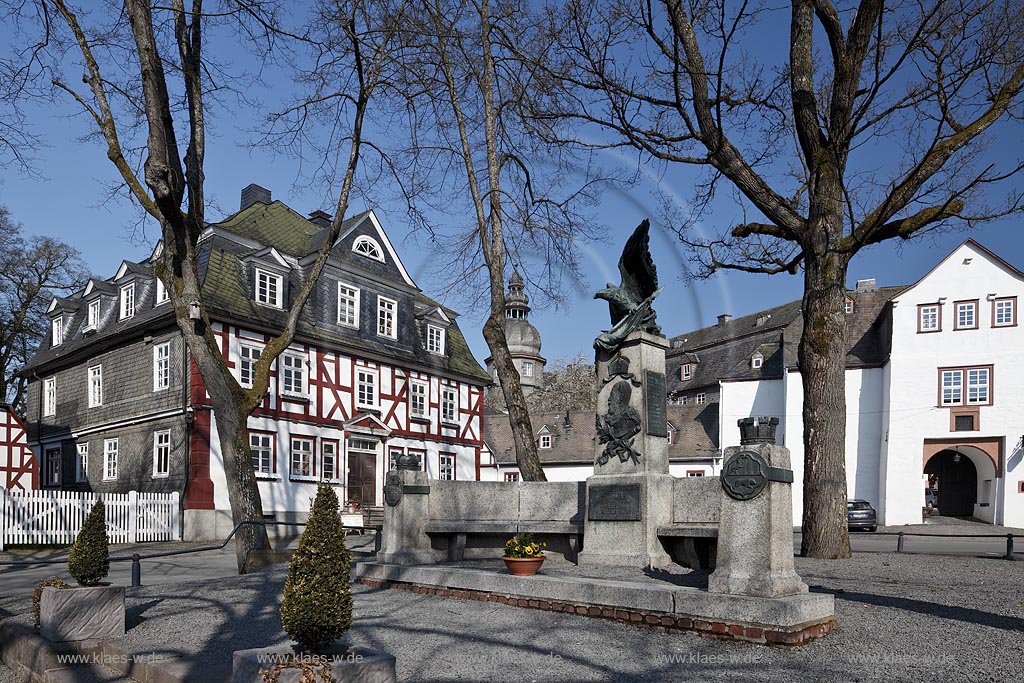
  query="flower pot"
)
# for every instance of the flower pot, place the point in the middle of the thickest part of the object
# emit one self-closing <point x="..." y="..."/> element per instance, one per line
<point x="523" y="566"/>
<point x="77" y="613"/>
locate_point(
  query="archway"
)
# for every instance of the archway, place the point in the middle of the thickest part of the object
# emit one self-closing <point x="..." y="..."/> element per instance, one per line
<point x="955" y="476"/>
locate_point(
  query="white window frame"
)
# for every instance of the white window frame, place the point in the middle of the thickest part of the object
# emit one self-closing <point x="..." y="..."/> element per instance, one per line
<point x="162" y="296"/>
<point x="260" y="444"/>
<point x="366" y="388"/>
<point x="418" y="391"/>
<point x="92" y="316"/>
<point x="52" y="461"/>
<point x="544" y="441"/>
<point x="966" y="386"/>
<point x="511" y="476"/>
<point x="162" y="366"/>
<point x="848" y="305"/>
<point x="446" y="466"/>
<point x="701" y="398"/>
<point x="49" y="396"/>
<point x="387" y="317"/>
<point x="95" y="386"/>
<point x="365" y="245"/>
<point x="953" y="388"/>
<point x="964" y="307"/>
<point x="262" y="291"/>
<point x="687" y="372"/>
<point x="928" y="318"/>
<point x="325" y="445"/>
<point x="287" y="374"/>
<point x="1008" y="315"/>
<point x="348" y="302"/>
<point x="435" y="339"/>
<point x="82" y="462"/>
<point x="527" y="368"/>
<point x="127" y="301"/>
<point x="161" y="454"/>
<point x="694" y="473"/>
<point x="293" y="461"/>
<point x="449" y="404"/>
<point x="978" y="391"/>
<point x="756" y="361"/>
<point x="57" y="331"/>
<point x="110" y="453"/>
<point x="248" y="355"/>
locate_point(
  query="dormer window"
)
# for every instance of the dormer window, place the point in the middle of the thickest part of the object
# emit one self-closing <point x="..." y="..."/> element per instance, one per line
<point x="161" y="293"/>
<point x="386" y="309"/>
<point x="848" y="305"/>
<point x="544" y="441"/>
<point x="92" y="316"/>
<point x="756" y="361"/>
<point x="435" y="339"/>
<point x="686" y="372"/>
<point x="671" y="434"/>
<point x="368" y="247"/>
<point x="127" y="301"/>
<point x="57" y="331"/>
<point x="268" y="288"/>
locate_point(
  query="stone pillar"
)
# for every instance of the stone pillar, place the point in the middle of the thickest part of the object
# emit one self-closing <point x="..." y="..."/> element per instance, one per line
<point x="404" y="539"/>
<point x="755" y="531"/>
<point x="630" y="494"/>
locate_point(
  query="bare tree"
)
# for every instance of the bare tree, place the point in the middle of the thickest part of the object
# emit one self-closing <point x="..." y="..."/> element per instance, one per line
<point x="568" y="384"/>
<point x="466" y="152"/>
<point x="32" y="272"/>
<point x="146" y="71"/>
<point x="882" y="132"/>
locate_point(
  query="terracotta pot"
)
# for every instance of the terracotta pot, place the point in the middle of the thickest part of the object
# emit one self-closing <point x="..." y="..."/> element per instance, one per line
<point x="523" y="566"/>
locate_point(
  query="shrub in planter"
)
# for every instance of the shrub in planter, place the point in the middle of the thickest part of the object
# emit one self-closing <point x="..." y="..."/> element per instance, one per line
<point x="89" y="560"/>
<point x="317" y="605"/>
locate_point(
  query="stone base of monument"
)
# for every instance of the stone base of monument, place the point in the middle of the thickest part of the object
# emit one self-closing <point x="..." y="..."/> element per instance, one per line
<point x="787" y="621"/>
<point x="623" y="513"/>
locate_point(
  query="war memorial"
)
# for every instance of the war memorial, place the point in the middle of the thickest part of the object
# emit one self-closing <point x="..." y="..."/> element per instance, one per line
<point x="629" y="523"/>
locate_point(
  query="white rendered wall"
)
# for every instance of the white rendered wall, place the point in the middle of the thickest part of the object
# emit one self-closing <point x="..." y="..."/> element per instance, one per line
<point x="967" y="274"/>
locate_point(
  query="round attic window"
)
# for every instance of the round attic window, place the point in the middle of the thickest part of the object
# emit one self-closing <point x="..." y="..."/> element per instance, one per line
<point x="368" y="247"/>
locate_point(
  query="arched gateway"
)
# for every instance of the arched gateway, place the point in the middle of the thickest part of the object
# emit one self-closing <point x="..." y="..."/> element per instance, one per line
<point x="964" y="477"/>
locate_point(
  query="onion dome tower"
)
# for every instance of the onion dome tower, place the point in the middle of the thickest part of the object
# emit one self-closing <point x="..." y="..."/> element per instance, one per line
<point x="523" y="338"/>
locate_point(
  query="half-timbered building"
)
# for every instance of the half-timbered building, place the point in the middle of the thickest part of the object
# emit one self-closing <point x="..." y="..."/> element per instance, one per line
<point x="377" y="369"/>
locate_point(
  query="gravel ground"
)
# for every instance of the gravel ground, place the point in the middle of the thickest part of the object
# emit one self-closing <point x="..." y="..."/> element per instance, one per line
<point x="901" y="618"/>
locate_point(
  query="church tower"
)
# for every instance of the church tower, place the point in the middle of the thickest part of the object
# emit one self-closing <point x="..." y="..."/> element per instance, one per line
<point x="523" y="338"/>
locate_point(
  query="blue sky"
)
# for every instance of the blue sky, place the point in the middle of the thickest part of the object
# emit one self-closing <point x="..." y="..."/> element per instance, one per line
<point x="70" y="201"/>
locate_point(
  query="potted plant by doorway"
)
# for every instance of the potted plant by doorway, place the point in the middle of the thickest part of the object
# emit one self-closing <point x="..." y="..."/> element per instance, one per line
<point x="316" y="610"/>
<point x="523" y="555"/>
<point x="91" y="611"/>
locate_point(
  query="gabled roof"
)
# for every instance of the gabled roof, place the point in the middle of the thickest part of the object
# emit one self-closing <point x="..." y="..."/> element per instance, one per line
<point x="132" y="268"/>
<point x="985" y="251"/>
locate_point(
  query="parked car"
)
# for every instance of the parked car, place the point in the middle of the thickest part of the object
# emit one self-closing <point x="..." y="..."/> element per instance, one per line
<point x="860" y="515"/>
<point x="931" y="498"/>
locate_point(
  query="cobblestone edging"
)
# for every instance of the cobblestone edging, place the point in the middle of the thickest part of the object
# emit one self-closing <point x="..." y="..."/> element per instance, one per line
<point x="658" y="621"/>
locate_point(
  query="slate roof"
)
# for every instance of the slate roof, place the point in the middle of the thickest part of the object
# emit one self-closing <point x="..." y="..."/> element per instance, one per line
<point x="723" y="352"/>
<point x="225" y="290"/>
<point x="696" y="437"/>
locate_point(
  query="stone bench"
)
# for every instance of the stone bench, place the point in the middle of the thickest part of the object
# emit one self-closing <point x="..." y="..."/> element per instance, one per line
<point x="695" y="545"/>
<point x="457" y="531"/>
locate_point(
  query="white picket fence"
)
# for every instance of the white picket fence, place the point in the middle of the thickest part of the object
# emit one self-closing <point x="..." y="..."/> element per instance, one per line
<point x="55" y="517"/>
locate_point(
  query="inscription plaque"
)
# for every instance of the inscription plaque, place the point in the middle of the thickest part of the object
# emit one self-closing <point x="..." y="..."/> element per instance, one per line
<point x="614" y="503"/>
<point x="654" y="389"/>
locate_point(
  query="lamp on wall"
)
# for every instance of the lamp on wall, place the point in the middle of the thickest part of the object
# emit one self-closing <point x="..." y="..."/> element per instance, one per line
<point x="956" y="457"/>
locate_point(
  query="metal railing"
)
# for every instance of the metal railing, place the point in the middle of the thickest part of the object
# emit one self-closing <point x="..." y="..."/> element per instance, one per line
<point x="900" y="535"/>
<point x="136" y="558"/>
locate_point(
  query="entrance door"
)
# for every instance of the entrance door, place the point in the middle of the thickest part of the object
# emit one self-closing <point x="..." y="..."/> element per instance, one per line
<point x="957" y="482"/>
<point x="362" y="471"/>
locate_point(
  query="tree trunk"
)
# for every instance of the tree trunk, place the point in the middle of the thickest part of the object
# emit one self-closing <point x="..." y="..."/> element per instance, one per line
<point x="515" y="401"/>
<point x="822" y="358"/>
<point x="243" y="491"/>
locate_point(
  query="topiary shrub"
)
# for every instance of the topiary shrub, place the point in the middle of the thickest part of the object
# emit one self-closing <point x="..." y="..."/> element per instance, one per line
<point x="317" y="604"/>
<point x="37" y="595"/>
<point x="89" y="560"/>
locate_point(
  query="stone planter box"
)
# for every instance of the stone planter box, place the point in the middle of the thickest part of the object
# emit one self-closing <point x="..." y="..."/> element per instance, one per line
<point x="94" y="613"/>
<point x="349" y="664"/>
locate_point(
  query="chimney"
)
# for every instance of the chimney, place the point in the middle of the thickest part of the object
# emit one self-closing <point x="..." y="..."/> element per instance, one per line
<point x="321" y="218"/>
<point x="723" y="319"/>
<point x="868" y="285"/>
<point x="253" y="193"/>
<point x="568" y="423"/>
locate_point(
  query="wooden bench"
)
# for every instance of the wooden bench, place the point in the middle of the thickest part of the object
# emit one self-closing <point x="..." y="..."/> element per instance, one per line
<point x="695" y="545"/>
<point x="457" y="531"/>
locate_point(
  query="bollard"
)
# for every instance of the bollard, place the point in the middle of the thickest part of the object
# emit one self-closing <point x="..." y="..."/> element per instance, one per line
<point x="1009" y="546"/>
<point x="899" y="543"/>
<point x="136" y="571"/>
<point x="376" y="539"/>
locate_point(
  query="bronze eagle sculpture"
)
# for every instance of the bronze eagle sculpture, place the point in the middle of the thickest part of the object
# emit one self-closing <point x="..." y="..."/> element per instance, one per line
<point x="630" y="303"/>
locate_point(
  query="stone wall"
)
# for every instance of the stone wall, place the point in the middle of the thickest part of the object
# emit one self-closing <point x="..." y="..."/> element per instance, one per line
<point x="696" y="500"/>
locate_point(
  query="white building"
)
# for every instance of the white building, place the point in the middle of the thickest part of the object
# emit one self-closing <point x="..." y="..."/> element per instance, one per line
<point x="934" y="388"/>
